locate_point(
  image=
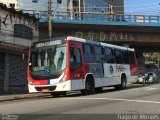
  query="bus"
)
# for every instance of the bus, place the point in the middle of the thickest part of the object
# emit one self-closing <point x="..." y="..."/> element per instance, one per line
<point x="70" y="64"/>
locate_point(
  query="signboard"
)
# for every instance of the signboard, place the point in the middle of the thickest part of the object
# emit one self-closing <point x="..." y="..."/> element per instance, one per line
<point x="48" y="43"/>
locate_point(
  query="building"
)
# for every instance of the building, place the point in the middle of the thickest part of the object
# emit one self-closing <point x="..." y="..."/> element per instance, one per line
<point x="116" y="6"/>
<point x="11" y="3"/>
<point x="89" y="10"/>
<point x="17" y="31"/>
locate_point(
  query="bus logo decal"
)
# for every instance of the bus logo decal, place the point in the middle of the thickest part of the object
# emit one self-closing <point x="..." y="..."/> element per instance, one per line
<point x="111" y="69"/>
<point x="47" y="70"/>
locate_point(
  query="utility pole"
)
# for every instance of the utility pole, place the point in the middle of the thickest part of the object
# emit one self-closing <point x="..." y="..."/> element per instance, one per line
<point x="50" y="18"/>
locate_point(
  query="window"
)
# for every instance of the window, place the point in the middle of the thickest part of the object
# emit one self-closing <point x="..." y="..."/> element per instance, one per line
<point x="109" y="55"/>
<point x="22" y="31"/>
<point x="53" y="58"/>
<point x="131" y="57"/>
<point x="35" y="1"/>
<point x="98" y="54"/>
<point x="88" y="53"/>
<point x="125" y="56"/>
<point x="118" y="56"/>
<point x="75" y="58"/>
<point x="59" y="1"/>
<point x="88" y="49"/>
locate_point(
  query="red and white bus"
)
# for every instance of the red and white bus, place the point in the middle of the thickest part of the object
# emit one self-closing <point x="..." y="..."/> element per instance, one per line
<point x="68" y="64"/>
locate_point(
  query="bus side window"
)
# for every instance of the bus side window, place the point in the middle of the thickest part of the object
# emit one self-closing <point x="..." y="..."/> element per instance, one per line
<point x="109" y="55"/>
<point x="125" y="56"/>
<point x="98" y="54"/>
<point x="88" y="53"/>
<point x="118" y="56"/>
<point x="75" y="58"/>
<point x="132" y="57"/>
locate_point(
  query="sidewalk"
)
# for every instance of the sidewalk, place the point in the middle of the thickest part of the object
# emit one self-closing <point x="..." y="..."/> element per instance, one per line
<point x="13" y="96"/>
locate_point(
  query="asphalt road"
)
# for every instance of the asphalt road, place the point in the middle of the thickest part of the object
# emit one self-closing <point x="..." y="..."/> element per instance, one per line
<point x="136" y="102"/>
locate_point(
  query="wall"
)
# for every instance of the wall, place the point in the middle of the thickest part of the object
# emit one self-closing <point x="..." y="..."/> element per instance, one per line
<point x="8" y="2"/>
<point x="14" y="46"/>
<point x="7" y="21"/>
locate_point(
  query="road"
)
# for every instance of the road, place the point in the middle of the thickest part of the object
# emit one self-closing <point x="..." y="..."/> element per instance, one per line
<point x="135" y="100"/>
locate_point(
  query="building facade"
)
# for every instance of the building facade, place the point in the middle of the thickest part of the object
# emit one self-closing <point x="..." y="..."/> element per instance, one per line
<point x="87" y="10"/>
<point x="74" y="9"/>
<point x="11" y="3"/>
<point x="17" y="31"/>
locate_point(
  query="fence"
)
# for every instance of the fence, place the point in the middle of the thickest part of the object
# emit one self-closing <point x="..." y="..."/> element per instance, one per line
<point x="94" y="16"/>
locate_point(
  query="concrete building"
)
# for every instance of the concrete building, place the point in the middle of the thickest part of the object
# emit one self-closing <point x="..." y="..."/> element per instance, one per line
<point x="116" y="6"/>
<point x="17" y="31"/>
<point x="73" y="7"/>
<point x="11" y="3"/>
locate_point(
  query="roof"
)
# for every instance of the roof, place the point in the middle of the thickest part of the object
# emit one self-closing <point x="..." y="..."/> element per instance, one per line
<point x="98" y="43"/>
<point x="71" y="38"/>
<point x="20" y="13"/>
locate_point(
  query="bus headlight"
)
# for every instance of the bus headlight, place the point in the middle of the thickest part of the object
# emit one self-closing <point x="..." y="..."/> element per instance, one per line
<point x="63" y="79"/>
<point x="30" y="82"/>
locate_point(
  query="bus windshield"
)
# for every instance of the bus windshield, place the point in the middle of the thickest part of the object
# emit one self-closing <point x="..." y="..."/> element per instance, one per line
<point x="47" y="63"/>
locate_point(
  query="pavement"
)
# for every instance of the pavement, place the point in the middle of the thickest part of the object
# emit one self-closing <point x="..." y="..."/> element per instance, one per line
<point x="17" y="96"/>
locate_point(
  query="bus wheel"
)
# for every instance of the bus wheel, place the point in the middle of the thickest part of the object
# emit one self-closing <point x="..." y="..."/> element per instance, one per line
<point x="89" y="88"/>
<point x="57" y="94"/>
<point x="123" y="84"/>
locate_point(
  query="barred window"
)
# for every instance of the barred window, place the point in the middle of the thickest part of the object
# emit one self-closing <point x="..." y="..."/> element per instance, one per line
<point x="23" y="31"/>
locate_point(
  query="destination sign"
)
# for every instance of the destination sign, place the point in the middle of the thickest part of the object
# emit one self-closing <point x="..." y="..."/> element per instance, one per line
<point x="48" y="43"/>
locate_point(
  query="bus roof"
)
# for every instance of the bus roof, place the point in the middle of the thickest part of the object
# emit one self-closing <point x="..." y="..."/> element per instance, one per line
<point x="98" y="43"/>
<point x="84" y="41"/>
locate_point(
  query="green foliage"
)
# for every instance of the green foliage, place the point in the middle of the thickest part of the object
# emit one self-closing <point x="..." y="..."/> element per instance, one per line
<point x="152" y="58"/>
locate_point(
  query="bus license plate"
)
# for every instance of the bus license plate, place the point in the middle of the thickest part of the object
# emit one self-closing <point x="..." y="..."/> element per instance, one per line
<point x="45" y="90"/>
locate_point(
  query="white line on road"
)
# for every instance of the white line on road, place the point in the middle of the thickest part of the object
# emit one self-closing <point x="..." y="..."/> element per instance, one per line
<point x="151" y="88"/>
<point x="126" y="100"/>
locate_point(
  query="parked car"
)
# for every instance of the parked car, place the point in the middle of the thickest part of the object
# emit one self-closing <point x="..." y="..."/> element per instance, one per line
<point x="152" y="77"/>
<point x="140" y="78"/>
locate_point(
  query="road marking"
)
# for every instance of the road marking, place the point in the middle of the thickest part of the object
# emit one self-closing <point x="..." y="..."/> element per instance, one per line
<point x="151" y="88"/>
<point x="126" y="100"/>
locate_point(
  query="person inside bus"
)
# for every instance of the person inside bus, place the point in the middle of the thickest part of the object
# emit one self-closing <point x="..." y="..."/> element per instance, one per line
<point x="60" y="60"/>
<point x="73" y="55"/>
<point x="74" y="58"/>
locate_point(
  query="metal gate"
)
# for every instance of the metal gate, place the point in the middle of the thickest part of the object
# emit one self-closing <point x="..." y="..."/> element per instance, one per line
<point x="2" y="68"/>
<point x="17" y="73"/>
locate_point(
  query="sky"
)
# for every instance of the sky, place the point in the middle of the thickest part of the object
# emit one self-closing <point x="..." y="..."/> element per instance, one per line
<point x="142" y="7"/>
<point x="148" y="7"/>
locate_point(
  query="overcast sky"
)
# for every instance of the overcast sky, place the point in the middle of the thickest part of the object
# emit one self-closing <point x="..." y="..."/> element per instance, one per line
<point x="142" y="6"/>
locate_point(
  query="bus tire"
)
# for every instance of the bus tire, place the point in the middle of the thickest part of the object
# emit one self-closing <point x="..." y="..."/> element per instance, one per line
<point x="123" y="84"/>
<point x="57" y="94"/>
<point x="89" y="87"/>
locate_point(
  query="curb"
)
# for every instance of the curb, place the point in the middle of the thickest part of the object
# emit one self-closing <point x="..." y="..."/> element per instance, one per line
<point x="19" y="97"/>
